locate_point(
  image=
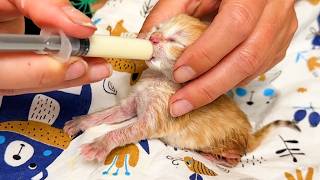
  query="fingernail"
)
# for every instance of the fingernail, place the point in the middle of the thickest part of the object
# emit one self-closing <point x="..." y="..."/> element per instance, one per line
<point x="22" y="3"/>
<point x="78" y="17"/>
<point x="100" y="71"/>
<point x="76" y="70"/>
<point x="193" y="7"/>
<point x="184" y="74"/>
<point x="180" y="107"/>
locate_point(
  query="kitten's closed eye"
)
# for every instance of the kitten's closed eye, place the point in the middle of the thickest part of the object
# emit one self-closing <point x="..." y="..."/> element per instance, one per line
<point x="157" y="27"/>
<point x="171" y="39"/>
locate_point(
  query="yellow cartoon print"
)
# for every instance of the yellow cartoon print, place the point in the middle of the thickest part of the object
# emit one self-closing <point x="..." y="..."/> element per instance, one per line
<point x="309" y="175"/>
<point x="314" y="2"/>
<point x="121" y="157"/>
<point x="198" y="167"/>
<point x="313" y="64"/>
<point x="118" y="29"/>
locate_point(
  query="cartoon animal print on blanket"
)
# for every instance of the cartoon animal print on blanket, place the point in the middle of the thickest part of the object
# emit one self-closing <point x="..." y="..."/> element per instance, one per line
<point x="27" y="148"/>
<point x="109" y="88"/>
<point x="118" y="29"/>
<point x="256" y="98"/>
<point x="313" y="64"/>
<point x="122" y="157"/>
<point x="308" y="112"/>
<point x="254" y="161"/>
<point x="134" y="67"/>
<point x="145" y="145"/>
<point x="54" y="108"/>
<point x="298" y="175"/>
<point x="314" y="2"/>
<point x="288" y="150"/>
<point x="30" y="145"/>
<point x="302" y="90"/>
<point x="146" y="8"/>
<point x="197" y="167"/>
<point x="114" y="3"/>
<point x="316" y="34"/>
<point x="175" y="148"/>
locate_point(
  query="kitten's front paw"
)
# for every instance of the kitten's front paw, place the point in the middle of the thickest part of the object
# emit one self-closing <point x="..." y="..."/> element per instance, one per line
<point x="76" y="125"/>
<point x="95" y="151"/>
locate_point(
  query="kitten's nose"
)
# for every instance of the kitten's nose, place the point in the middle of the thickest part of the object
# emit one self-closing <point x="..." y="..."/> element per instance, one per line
<point x="156" y="37"/>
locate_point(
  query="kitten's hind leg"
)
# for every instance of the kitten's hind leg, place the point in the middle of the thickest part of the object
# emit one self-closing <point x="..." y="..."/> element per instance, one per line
<point x="102" y="146"/>
<point x="122" y="112"/>
<point x="228" y="158"/>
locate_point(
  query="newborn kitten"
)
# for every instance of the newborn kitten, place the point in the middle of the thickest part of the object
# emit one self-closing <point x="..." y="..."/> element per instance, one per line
<point x="219" y="130"/>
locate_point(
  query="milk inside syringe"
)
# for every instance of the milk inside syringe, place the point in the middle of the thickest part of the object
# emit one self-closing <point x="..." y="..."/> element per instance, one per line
<point x="63" y="46"/>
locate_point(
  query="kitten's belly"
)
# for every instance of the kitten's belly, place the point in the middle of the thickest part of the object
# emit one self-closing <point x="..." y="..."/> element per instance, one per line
<point x="185" y="140"/>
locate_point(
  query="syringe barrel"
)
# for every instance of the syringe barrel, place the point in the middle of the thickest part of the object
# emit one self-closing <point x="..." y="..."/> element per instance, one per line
<point x="118" y="47"/>
<point x="64" y="46"/>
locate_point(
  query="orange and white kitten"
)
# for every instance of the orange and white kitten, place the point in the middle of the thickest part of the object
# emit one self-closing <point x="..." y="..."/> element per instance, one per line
<point x="219" y="130"/>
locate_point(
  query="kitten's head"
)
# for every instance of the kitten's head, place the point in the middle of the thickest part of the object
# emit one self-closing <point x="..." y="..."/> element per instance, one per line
<point x="170" y="39"/>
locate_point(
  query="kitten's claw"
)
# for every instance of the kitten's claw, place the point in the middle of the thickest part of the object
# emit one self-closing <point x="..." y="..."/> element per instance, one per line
<point x="71" y="127"/>
<point x="74" y="126"/>
<point x="77" y="124"/>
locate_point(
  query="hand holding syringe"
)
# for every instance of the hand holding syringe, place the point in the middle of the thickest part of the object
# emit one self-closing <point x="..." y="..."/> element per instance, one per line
<point x="28" y="72"/>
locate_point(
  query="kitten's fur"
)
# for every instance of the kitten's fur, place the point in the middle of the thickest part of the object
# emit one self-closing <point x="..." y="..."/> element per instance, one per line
<point x="219" y="130"/>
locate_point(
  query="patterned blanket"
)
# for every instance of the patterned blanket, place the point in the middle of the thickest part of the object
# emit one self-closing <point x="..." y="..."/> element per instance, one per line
<point x="33" y="146"/>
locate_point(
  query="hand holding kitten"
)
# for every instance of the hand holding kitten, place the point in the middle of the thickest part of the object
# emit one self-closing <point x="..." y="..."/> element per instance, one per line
<point x="245" y="39"/>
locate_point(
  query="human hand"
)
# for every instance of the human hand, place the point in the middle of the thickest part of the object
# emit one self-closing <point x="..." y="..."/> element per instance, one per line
<point x="244" y="39"/>
<point x="28" y="72"/>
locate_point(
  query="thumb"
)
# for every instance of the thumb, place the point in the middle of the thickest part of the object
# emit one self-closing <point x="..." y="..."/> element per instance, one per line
<point x="165" y="9"/>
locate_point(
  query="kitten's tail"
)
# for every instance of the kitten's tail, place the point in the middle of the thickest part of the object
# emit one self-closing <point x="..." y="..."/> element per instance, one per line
<point x="261" y="134"/>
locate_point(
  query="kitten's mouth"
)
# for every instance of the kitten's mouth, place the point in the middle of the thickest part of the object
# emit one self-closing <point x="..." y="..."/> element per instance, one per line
<point x="150" y="60"/>
<point x="153" y="63"/>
